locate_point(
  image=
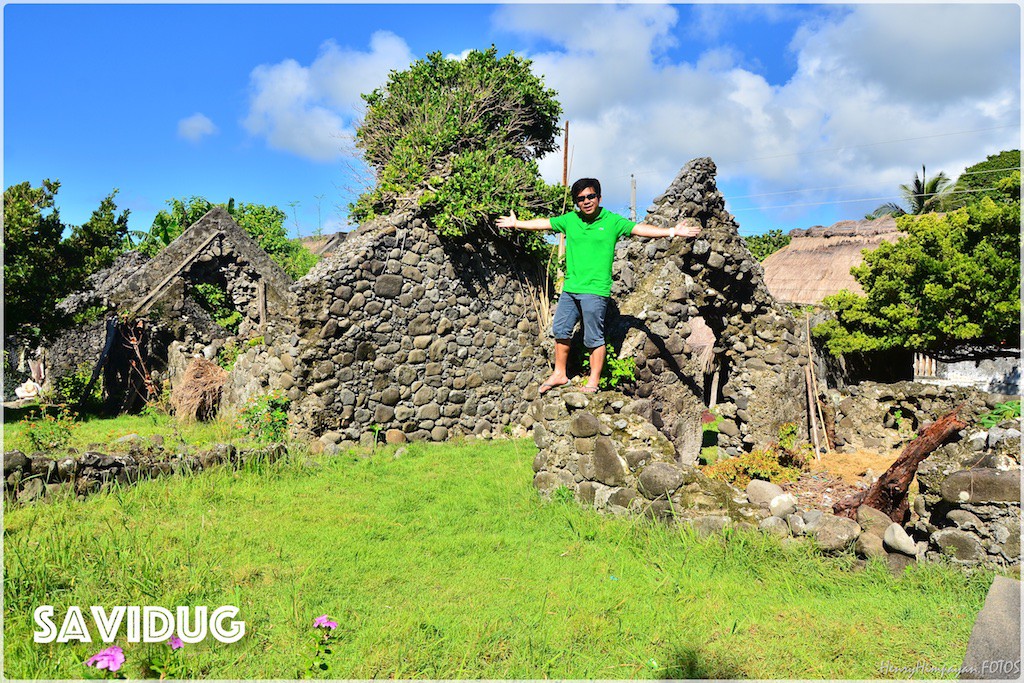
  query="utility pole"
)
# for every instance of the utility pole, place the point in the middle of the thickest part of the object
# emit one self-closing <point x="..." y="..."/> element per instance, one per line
<point x="632" y="197"/>
<point x="565" y="183"/>
<point x="295" y="216"/>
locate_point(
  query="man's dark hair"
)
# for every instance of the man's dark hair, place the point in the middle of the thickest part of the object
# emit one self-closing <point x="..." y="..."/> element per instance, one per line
<point x="584" y="183"/>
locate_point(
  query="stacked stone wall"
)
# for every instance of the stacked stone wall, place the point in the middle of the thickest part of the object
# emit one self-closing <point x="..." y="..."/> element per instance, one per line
<point x="403" y="332"/>
<point x="668" y="289"/>
<point x="969" y="503"/>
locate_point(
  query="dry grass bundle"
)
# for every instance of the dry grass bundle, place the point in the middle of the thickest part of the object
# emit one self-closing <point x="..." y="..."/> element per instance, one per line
<point x="197" y="396"/>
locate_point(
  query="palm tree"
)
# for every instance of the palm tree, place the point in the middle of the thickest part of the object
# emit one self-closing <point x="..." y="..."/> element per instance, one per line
<point x="922" y="196"/>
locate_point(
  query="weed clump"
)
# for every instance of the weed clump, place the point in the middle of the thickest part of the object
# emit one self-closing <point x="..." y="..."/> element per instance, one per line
<point x="50" y="432"/>
<point x="265" y="418"/>
<point x="778" y="462"/>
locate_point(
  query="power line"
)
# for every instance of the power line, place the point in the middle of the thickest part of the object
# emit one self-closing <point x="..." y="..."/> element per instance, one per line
<point x="843" y="187"/>
<point x="865" y="199"/>
<point x="840" y="149"/>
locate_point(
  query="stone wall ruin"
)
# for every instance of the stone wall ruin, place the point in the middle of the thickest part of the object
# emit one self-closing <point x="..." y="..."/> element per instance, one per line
<point x="404" y="333"/>
<point x="157" y="292"/>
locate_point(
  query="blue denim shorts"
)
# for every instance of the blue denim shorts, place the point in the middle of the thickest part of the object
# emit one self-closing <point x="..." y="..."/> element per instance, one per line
<point x="571" y="307"/>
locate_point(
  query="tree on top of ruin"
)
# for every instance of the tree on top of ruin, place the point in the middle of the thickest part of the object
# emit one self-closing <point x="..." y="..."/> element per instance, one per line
<point x="461" y="139"/>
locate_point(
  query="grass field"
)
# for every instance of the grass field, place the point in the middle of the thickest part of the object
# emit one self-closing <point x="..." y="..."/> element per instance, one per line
<point x="444" y="564"/>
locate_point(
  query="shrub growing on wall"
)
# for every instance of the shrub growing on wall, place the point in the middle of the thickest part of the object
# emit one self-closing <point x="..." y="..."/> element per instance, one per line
<point x="461" y="138"/>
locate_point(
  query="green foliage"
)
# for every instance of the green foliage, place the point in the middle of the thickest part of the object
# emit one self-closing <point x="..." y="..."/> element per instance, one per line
<point x="779" y="462"/>
<point x="955" y="278"/>
<point x="214" y="299"/>
<point x="563" y="494"/>
<point x="95" y="244"/>
<point x="228" y="354"/>
<point x="463" y="137"/>
<point x="923" y="195"/>
<point x="615" y="371"/>
<point x="760" y="464"/>
<point x="41" y="267"/>
<point x="265" y="418"/>
<point x="50" y="432"/>
<point x="265" y="224"/>
<point x="762" y="246"/>
<point x="710" y="423"/>
<point x="788" y="434"/>
<point x="70" y="389"/>
<point x="1003" y="411"/>
<point x="985" y="179"/>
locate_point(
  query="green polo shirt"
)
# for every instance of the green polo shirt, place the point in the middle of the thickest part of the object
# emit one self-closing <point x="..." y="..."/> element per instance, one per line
<point x="590" y="250"/>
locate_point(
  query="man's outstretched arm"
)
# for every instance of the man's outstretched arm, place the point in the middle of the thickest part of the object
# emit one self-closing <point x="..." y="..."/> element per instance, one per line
<point x="688" y="227"/>
<point x="510" y="221"/>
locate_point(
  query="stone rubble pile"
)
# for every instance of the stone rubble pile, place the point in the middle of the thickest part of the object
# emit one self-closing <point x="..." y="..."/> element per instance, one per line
<point x="604" y="450"/>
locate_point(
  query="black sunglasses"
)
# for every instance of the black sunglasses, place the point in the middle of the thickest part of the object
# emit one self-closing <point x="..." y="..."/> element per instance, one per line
<point x="586" y="197"/>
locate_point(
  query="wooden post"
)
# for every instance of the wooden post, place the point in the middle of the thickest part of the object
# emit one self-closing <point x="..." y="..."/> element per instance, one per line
<point x="262" y="299"/>
<point x="814" y="385"/>
<point x="810" y="409"/>
<point x="714" y="387"/>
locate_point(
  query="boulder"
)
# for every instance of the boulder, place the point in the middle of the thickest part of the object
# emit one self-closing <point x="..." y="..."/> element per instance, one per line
<point x="782" y="505"/>
<point x="760" y="491"/>
<point x="959" y="544"/>
<point x="659" y="479"/>
<point x="897" y="539"/>
<point x="981" y="485"/>
<point x="993" y="650"/>
<point x="835" y="533"/>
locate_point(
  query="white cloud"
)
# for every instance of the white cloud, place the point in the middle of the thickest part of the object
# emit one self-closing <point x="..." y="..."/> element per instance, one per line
<point x="194" y="128"/>
<point x="309" y="110"/>
<point x="865" y="76"/>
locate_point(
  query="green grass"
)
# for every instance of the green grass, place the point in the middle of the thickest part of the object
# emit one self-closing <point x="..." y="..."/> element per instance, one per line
<point x="92" y="432"/>
<point x="444" y="564"/>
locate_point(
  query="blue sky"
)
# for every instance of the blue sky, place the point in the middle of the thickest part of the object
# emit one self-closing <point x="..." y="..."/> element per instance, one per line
<point x="812" y="113"/>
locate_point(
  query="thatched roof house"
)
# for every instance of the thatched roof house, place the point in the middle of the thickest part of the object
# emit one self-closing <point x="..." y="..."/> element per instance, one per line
<point x="816" y="263"/>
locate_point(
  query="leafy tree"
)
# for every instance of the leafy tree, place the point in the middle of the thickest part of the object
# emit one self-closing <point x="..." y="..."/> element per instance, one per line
<point x="982" y="180"/>
<point x="41" y="266"/>
<point x="31" y="239"/>
<point x="922" y="196"/>
<point x="169" y="224"/>
<point x="762" y="246"/>
<point x="955" y="278"/>
<point x="265" y="224"/>
<point x="461" y="139"/>
<point x="95" y="244"/>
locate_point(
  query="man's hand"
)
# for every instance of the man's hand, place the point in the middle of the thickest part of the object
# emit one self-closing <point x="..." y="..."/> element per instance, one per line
<point x="507" y="222"/>
<point x="688" y="227"/>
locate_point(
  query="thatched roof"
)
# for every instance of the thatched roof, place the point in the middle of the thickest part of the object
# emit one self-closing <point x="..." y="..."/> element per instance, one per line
<point x="817" y="261"/>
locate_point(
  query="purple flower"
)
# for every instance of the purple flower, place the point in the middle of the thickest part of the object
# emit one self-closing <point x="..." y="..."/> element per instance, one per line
<point x="323" y="622"/>
<point x="110" y="659"/>
<point x="175" y="642"/>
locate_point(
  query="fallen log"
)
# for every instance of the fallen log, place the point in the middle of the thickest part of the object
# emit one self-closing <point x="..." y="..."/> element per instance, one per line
<point x="889" y="493"/>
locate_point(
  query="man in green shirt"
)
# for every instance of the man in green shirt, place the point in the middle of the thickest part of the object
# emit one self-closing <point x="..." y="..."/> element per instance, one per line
<point x="590" y="236"/>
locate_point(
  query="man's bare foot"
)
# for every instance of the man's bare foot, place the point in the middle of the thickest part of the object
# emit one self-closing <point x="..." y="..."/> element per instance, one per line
<point x="587" y="389"/>
<point x="551" y="383"/>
